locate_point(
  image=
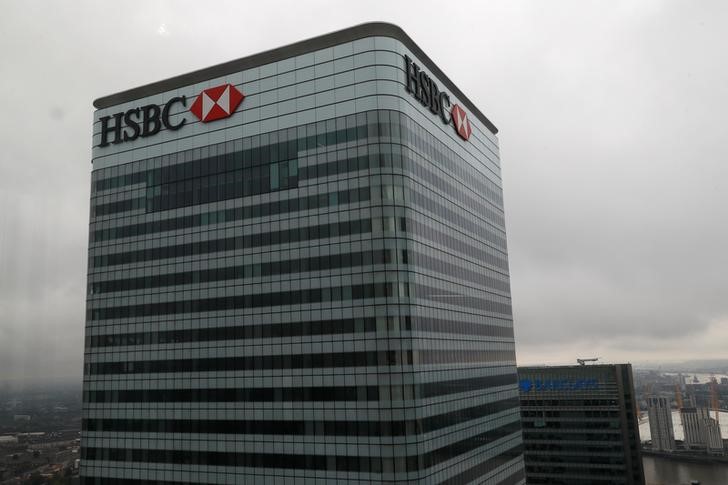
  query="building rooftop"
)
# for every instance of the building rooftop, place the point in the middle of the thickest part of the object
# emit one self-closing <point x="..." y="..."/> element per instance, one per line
<point x="369" y="29"/>
<point x="568" y="366"/>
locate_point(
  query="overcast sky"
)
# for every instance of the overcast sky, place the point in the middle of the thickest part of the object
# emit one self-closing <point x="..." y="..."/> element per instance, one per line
<point x="613" y="133"/>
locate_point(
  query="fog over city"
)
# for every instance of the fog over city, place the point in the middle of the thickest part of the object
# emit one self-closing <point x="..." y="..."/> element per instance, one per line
<point x="613" y="141"/>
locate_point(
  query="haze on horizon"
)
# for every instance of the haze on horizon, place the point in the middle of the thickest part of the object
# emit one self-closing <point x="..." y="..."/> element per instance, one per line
<point x="613" y="144"/>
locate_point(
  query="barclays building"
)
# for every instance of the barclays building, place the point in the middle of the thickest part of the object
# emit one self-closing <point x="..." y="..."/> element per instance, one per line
<point x="580" y="425"/>
<point x="298" y="273"/>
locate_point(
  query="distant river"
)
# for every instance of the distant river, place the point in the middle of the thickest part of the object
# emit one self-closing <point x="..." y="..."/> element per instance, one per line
<point x="659" y="471"/>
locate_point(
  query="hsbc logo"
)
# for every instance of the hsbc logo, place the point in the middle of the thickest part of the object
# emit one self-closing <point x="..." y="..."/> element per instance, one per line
<point x="425" y="90"/>
<point x="217" y="103"/>
<point x="211" y="104"/>
<point x="462" y="124"/>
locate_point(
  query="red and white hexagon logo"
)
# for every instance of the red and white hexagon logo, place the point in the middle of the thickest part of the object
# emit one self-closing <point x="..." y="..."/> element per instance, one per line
<point x="217" y="103"/>
<point x="462" y="124"/>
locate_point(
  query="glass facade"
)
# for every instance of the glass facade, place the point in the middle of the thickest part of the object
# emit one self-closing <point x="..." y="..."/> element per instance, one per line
<point x="315" y="289"/>
<point x="580" y="426"/>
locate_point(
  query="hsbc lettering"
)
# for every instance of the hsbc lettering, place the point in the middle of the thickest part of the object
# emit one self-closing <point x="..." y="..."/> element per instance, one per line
<point x="139" y="122"/>
<point x="424" y="89"/>
<point x="212" y="104"/>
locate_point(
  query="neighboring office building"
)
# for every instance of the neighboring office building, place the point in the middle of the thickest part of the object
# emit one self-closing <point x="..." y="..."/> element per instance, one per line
<point x="661" y="427"/>
<point x="298" y="270"/>
<point x="579" y="425"/>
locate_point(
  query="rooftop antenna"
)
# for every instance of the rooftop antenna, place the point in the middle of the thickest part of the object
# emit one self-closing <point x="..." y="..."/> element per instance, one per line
<point x="584" y="361"/>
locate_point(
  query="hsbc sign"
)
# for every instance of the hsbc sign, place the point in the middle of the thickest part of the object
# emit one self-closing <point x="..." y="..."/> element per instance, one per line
<point x="222" y="101"/>
<point x="211" y="104"/>
<point x="462" y="124"/>
<point x="217" y="103"/>
<point x="425" y="90"/>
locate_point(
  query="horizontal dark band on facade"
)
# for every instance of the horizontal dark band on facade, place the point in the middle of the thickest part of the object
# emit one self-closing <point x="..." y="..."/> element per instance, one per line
<point x="483" y="468"/>
<point x="407" y="427"/>
<point x="343" y="293"/>
<point x="543" y="474"/>
<point x="379" y="194"/>
<point x="542" y="448"/>
<point x="205" y="189"/>
<point x="286" y="236"/>
<point x="574" y="414"/>
<point x="545" y="425"/>
<point x="373" y="464"/>
<point x="328" y="262"/>
<point x="371" y="29"/>
<point x="299" y="329"/>
<point x="253" y="270"/>
<point x="469" y="229"/>
<point x="250" y="211"/>
<point x="602" y="436"/>
<point x="569" y="401"/>
<point x="304" y="361"/>
<point x="517" y="477"/>
<point x="88" y="479"/>
<point x="404" y="227"/>
<point x="300" y="393"/>
<point x="598" y="464"/>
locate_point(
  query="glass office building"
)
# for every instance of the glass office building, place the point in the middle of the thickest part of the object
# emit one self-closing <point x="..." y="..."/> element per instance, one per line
<point x="298" y="273"/>
<point x="580" y="425"/>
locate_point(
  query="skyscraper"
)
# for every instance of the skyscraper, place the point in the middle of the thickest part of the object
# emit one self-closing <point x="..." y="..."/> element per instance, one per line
<point x="661" y="426"/>
<point x="298" y="271"/>
<point x="579" y="425"/>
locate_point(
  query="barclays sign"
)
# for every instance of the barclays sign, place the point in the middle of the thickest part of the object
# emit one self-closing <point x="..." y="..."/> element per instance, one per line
<point x="539" y="385"/>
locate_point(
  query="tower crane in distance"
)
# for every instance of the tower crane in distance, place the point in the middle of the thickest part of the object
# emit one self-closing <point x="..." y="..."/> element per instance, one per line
<point x="714" y="403"/>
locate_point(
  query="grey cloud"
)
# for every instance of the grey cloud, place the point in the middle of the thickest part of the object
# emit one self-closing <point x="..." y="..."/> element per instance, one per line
<point x="613" y="140"/>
